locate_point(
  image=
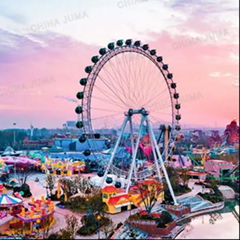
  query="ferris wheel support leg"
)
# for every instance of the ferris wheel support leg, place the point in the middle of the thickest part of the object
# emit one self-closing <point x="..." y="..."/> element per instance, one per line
<point x="162" y="164"/>
<point x="133" y="147"/>
<point x="154" y="154"/>
<point x="166" y="138"/>
<point x="135" y="154"/>
<point x="114" y="150"/>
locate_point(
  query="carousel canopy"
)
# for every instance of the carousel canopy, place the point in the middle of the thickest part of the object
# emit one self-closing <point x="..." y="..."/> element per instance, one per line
<point x="7" y="200"/>
<point x="19" y="161"/>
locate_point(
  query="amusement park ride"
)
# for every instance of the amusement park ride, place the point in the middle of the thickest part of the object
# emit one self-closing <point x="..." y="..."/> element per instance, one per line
<point x="129" y="76"/>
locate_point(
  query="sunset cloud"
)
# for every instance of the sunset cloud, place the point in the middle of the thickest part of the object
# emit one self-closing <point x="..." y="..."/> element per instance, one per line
<point x="44" y="49"/>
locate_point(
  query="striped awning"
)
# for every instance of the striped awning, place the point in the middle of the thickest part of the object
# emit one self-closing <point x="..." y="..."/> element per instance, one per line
<point x="7" y="200"/>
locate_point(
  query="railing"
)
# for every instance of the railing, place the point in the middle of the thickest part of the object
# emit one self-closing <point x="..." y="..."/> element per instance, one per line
<point x="122" y="173"/>
<point x="146" y="222"/>
<point x="216" y="207"/>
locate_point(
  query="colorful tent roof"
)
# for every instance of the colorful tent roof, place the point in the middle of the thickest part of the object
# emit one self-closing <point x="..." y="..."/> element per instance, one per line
<point x="193" y="173"/>
<point x="110" y="189"/>
<point x="119" y="199"/>
<point x="20" y="161"/>
<point x="7" y="200"/>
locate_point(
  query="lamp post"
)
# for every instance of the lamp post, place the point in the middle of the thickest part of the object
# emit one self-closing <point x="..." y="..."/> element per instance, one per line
<point x="98" y="225"/>
<point x="14" y="136"/>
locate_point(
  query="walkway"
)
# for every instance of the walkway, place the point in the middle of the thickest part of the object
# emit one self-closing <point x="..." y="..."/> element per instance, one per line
<point x="195" y="190"/>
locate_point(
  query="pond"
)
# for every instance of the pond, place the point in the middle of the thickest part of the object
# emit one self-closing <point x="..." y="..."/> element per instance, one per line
<point x="222" y="224"/>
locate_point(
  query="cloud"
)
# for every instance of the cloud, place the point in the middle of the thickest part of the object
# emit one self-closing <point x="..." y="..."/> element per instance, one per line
<point x="40" y="61"/>
<point x="219" y="74"/>
<point x="67" y="98"/>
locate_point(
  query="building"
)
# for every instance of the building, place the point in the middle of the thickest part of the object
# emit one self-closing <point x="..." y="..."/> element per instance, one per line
<point x="37" y="144"/>
<point x="73" y="144"/>
<point x="70" y="125"/>
<point x="117" y="200"/>
<point x="180" y="161"/>
<point x="218" y="168"/>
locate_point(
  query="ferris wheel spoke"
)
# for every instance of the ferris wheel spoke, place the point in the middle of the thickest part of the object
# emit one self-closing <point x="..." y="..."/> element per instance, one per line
<point x="106" y="101"/>
<point x="114" y="92"/>
<point x="140" y="76"/>
<point x="105" y="116"/>
<point x="120" y="85"/>
<point x="136" y="81"/>
<point x="106" y="76"/>
<point x="159" y="120"/>
<point x="121" y="71"/>
<point x="112" y="75"/>
<point x="146" y="75"/>
<point x="129" y="78"/>
<point x="155" y="98"/>
<point x="162" y="113"/>
<point x="153" y="84"/>
<point x="155" y="104"/>
<point x="125" y="70"/>
<point x="105" y="109"/>
<point x="166" y="106"/>
<point x="108" y="97"/>
<point x="156" y="84"/>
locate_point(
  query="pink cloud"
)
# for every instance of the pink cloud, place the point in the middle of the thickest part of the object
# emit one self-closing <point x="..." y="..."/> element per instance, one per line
<point x="33" y="74"/>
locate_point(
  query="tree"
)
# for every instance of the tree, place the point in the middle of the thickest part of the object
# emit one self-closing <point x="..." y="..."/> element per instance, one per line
<point x="149" y="192"/>
<point x="89" y="220"/>
<point x="68" y="187"/>
<point x="47" y="226"/>
<point x="185" y="178"/>
<point x="72" y="224"/>
<point x="73" y="186"/>
<point x="71" y="228"/>
<point x="53" y="236"/>
<point x="97" y="206"/>
<point x="23" y="174"/>
<point x="108" y="229"/>
<point x="50" y="181"/>
<point x="84" y="185"/>
<point x="64" y="234"/>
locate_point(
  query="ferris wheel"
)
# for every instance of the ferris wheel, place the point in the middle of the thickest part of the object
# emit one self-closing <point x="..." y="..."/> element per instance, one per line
<point x="126" y="75"/>
<point x="128" y="81"/>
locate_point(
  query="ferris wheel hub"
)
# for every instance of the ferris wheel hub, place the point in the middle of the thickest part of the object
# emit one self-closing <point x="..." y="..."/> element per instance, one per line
<point x="141" y="111"/>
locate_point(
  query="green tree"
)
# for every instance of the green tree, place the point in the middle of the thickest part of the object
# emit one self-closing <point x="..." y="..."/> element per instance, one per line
<point x="89" y="220"/>
<point x="96" y="204"/>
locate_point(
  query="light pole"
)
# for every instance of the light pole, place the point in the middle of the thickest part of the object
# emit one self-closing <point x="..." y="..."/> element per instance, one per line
<point x="14" y="135"/>
<point x="98" y="225"/>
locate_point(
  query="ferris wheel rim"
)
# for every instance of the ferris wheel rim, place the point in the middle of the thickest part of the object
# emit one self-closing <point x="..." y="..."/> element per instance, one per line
<point x="99" y="65"/>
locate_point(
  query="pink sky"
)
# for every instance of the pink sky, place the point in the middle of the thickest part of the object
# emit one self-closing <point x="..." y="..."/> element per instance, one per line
<point x="33" y="75"/>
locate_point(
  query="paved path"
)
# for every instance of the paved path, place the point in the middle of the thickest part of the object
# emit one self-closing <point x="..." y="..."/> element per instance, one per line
<point x="195" y="190"/>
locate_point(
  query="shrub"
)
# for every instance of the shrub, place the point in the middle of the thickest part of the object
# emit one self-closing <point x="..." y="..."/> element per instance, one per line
<point x="90" y="224"/>
<point x="83" y="230"/>
<point x="166" y="217"/>
<point x="214" y="198"/>
<point x="53" y="236"/>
